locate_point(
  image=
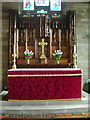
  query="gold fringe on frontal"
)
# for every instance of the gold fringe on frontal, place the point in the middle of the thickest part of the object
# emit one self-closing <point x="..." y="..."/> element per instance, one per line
<point x="44" y="75"/>
<point x="76" y="99"/>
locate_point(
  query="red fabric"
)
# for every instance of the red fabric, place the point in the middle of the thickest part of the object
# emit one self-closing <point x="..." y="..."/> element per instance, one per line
<point x="44" y="88"/>
<point x="28" y="72"/>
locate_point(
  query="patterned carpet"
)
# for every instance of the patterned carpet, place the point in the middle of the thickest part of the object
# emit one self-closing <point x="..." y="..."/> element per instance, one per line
<point x="46" y="116"/>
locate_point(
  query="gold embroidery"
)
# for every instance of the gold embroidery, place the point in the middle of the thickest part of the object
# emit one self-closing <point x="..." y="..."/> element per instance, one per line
<point x="77" y="99"/>
<point x="44" y="75"/>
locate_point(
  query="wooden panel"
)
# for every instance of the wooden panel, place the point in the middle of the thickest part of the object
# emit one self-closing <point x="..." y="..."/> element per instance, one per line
<point x="65" y="51"/>
<point x="21" y="50"/>
<point x="35" y="63"/>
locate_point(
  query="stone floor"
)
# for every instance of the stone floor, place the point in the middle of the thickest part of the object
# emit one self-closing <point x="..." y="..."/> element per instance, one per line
<point x="7" y="107"/>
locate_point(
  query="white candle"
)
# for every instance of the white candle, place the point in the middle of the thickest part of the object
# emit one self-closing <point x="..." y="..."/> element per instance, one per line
<point x="74" y="48"/>
<point x="14" y="40"/>
<point x="14" y="49"/>
<point x="17" y="42"/>
<point x="15" y="22"/>
<point x="26" y="38"/>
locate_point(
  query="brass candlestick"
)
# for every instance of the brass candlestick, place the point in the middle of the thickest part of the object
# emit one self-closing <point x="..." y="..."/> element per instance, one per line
<point x="75" y="60"/>
<point x="14" y="61"/>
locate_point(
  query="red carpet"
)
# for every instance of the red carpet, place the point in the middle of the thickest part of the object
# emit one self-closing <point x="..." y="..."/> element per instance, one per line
<point x="48" y="119"/>
<point x="46" y="116"/>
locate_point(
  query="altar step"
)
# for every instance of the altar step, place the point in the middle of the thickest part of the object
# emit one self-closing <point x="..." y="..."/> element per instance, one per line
<point x="47" y="107"/>
<point x="44" y="109"/>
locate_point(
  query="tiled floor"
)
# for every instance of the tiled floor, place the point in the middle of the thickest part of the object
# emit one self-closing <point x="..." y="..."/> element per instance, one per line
<point x="45" y="107"/>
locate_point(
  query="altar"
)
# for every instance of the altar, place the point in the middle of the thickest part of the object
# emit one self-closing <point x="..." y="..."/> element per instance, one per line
<point x="43" y="42"/>
<point x="44" y="84"/>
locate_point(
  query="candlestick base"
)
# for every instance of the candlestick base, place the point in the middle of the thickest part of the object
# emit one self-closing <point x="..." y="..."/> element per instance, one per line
<point x="42" y="56"/>
<point x="43" y="61"/>
<point x="14" y="67"/>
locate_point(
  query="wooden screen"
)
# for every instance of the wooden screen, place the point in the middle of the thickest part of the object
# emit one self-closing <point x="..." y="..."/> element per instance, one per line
<point x="27" y="31"/>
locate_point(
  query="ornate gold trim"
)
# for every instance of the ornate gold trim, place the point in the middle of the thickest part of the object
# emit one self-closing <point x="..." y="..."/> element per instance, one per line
<point x="55" y="115"/>
<point x="44" y="75"/>
<point x="78" y="99"/>
<point x="74" y="116"/>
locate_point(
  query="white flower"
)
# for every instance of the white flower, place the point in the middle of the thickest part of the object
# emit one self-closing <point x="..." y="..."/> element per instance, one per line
<point x="27" y="52"/>
<point x="31" y="52"/>
<point x="57" y="52"/>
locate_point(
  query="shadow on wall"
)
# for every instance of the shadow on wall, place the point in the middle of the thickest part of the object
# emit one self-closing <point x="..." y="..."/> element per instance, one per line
<point x="86" y="86"/>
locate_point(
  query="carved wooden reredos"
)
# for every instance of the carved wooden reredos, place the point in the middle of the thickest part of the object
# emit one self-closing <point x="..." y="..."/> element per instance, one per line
<point x="27" y="30"/>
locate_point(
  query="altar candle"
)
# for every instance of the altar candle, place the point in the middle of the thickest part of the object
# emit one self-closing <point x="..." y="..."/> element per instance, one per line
<point x="59" y="38"/>
<point x="26" y="38"/>
<point x="74" y="48"/>
<point x="15" y="22"/>
<point x="14" y="49"/>
<point x="17" y="42"/>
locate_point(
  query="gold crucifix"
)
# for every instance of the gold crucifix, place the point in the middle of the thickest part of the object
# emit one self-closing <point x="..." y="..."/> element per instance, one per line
<point x="42" y="44"/>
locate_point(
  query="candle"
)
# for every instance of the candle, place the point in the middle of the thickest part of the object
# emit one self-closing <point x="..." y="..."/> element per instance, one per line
<point x="15" y="22"/>
<point x="26" y="38"/>
<point x="74" y="48"/>
<point x="17" y="42"/>
<point x="14" y="49"/>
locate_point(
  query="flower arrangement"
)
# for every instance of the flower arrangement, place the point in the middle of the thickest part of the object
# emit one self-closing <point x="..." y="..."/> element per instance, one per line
<point x="57" y="54"/>
<point x="28" y="55"/>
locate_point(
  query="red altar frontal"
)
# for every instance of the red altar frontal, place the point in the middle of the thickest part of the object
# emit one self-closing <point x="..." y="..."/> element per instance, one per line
<point x="44" y="84"/>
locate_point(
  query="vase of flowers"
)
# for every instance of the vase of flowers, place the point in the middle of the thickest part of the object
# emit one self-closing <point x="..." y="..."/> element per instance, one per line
<point x="57" y="54"/>
<point x="28" y="55"/>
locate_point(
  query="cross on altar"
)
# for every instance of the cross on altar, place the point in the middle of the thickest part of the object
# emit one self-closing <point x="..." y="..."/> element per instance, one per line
<point x="14" y="61"/>
<point x="42" y="44"/>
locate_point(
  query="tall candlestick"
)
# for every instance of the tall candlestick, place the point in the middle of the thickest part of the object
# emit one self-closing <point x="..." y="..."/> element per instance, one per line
<point x="75" y="60"/>
<point x="14" y="55"/>
<point x="14" y="61"/>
